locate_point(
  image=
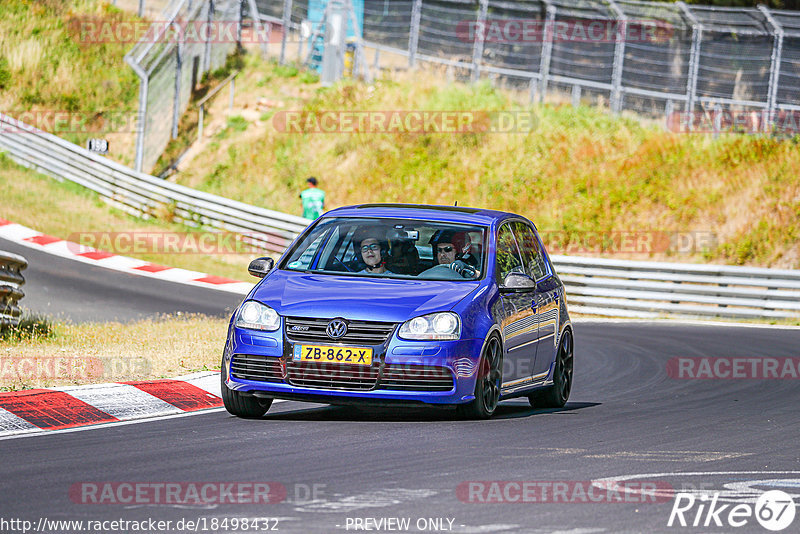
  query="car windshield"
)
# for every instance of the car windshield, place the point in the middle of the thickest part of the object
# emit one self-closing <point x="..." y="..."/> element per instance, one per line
<point x="391" y="248"/>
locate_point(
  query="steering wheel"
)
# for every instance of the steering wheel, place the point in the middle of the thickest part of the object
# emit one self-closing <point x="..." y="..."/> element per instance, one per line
<point x="343" y="264"/>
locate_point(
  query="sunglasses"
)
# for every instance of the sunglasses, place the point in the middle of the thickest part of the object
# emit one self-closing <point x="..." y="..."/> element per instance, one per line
<point x="373" y="247"/>
<point x="442" y="250"/>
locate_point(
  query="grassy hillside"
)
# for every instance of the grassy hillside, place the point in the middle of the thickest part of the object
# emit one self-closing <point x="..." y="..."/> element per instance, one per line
<point x="67" y="210"/>
<point x="46" y="65"/>
<point x="579" y="171"/>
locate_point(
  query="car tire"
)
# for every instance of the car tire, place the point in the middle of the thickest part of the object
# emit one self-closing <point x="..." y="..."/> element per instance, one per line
<point x="241" y="405"/>
<point x="556" y="396"/>
<point x="487" y="383"/>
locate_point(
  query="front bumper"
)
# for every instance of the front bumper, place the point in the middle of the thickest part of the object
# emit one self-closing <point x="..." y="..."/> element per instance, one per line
<point x="410" y="360"/>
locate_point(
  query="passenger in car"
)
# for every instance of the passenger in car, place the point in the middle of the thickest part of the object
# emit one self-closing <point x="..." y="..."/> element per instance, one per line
<point x="373" y="247"/>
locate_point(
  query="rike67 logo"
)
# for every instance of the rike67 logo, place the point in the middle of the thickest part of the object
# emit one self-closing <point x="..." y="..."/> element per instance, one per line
<point x="774" y="510"/>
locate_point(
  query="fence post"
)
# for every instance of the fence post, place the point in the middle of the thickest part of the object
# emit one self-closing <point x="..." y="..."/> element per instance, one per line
<point x="210" y="20"/>
<point x="694" y="63"/>
<point x="176" y="101"/>
<point x="774" y="66"/>
<point x="141" y="119"/>
<point x="141" y="8"/>
<point x="287" y="21"/>
<point x="239" y="26"/>
<point x="547" y="49"/>
<point x="413" y="34"/>
<point x="480" y="31"/>
<point x="619" y="57"/>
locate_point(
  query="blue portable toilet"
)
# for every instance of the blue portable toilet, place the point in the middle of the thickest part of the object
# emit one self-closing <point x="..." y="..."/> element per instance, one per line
<point x="316" y="14"/>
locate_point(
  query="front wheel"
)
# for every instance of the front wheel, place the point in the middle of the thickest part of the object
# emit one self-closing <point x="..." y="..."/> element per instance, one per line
<point x="241" y="405"/>
<point x="487" y="383"/>
<point x="556" y="396"/>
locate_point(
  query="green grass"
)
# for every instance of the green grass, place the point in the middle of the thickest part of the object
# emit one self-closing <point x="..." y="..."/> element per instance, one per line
<point x="580" y="170"/>
<point x="30" y="327"/>
<point x="68" y="211"/>
<point x="47" y="64"/>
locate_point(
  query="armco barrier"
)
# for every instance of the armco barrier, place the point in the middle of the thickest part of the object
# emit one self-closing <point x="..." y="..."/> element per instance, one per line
<point x="621" y="288"/>
<point x="141" y="194"/>
<point x="11" y="281"/>
<point x="616" y="288"/>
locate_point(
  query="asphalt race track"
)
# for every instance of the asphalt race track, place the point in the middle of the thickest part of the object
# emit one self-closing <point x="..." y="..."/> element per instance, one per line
<point x="67" y="289"/>
<point x="626" y="418"/>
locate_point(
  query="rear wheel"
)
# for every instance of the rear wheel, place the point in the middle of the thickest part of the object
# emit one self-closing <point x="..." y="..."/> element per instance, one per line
<point x="242" y="405"/>
<point x="487" y="384"/>
<point x="556" y="396"/>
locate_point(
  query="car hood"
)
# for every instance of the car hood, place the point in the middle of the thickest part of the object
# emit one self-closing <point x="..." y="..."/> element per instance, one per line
<point x="299" y="294"/>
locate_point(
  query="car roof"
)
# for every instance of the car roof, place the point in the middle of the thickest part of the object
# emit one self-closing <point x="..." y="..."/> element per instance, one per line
<point x="455" y="214"/>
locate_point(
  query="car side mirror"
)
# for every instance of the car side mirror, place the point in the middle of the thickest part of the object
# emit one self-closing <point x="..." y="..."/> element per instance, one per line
<point x="259" y="267"/>
<point x="517" y="282"/>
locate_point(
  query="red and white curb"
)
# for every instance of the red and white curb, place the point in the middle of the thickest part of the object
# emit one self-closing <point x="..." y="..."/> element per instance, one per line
<point x="53" y="245"/>
<point x="57" y="408"/>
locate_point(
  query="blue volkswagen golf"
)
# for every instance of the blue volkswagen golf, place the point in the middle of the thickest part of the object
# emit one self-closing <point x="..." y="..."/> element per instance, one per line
<point x="403" y="304"/>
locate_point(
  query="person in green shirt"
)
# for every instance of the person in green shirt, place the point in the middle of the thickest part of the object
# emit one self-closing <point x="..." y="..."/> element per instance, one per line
<point x="313" y="200"/>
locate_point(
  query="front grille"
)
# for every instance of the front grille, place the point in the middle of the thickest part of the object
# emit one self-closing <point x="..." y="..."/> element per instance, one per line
<point x="416" y="378"/>
<point x="331" y="376"/>
<point x="358" y="332"/>
<point x="253" y="367"/>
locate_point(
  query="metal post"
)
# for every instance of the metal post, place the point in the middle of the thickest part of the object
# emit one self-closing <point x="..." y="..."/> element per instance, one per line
<point x="141" y="8"/>
<point x="141" y="126"/>
<point x="413" y="34"/>
<point x="774" y="66"/>
<point x="176" y="101"/>
<point x="694" y="62"/>
<point x="287" y="21"/>
<point x="576" y="96"/>
<point x="239" y="26"/>
<point x="480" y="32"/>
<point x="619" y="57"/>
<point x="210" y="20"/>
<point x="233" y="91"/>
<point x="547" y="50"/>
<point x="200" y="123"/>
<point x="669" y="109"/>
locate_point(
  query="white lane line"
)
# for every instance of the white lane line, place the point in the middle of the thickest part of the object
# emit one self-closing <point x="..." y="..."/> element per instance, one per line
<point x="676" y="322"/>
<point x="121" y="401"/>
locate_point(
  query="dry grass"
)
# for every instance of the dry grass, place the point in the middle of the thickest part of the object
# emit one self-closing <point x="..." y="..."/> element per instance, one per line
<point x="112" y="352"/>
<point x="580" y="171"/>
<point x="66" y="210"/>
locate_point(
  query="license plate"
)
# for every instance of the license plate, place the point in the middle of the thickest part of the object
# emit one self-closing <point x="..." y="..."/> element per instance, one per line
<point x="328" y="354"/>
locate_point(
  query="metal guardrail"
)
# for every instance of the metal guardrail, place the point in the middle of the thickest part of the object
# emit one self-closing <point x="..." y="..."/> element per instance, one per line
<point x="141" y="194"/>
<point x="621" y="288"/>
<point x="11" y="281"/>
<point x="618" y="288"/>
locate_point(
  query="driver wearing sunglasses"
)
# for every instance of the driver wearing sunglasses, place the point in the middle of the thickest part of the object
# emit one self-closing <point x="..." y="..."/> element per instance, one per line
<point x="454" y="250"/>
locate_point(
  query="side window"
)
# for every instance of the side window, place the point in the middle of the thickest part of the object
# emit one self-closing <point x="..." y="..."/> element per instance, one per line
<point x="508" y="258"/>
<point x="532" y="256"/>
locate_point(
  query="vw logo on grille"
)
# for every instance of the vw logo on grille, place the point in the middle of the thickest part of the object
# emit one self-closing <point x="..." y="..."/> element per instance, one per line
<point x="336" y="329"/>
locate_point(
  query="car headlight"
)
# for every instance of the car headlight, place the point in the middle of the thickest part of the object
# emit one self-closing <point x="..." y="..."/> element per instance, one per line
<point x="257" y="316"/>
<point x="442" y="325"/>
